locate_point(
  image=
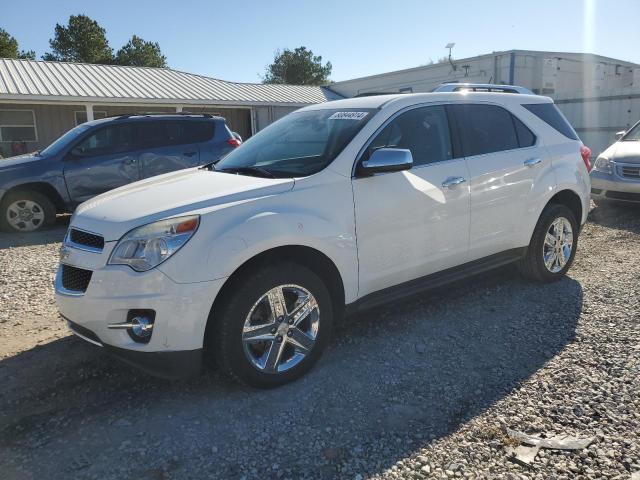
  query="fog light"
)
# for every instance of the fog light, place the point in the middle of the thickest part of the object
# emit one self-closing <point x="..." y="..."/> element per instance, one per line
<point x="139" y="325"/>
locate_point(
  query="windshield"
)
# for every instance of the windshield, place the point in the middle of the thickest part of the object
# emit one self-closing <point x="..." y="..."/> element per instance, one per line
<point x="632" y="135"/>
<point x="57" y="146"/>
<point x="300" y="144"/>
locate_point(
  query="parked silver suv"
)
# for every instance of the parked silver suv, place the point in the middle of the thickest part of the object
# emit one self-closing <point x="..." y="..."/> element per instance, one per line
<point x="616" y="173"/>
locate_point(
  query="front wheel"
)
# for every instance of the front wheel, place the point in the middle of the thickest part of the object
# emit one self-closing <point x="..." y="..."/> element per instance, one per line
<point x="553" y="245"/>
<point x="273" y="326"/>
<point x="26" y="211"/>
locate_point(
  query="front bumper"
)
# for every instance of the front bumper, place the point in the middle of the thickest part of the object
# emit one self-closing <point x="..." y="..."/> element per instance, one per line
<point x="181" y="313"/>
<point x="610" y="186"/>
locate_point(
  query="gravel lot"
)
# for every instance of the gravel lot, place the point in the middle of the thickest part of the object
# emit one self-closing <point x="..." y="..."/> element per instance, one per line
<point x="421" y="389"/>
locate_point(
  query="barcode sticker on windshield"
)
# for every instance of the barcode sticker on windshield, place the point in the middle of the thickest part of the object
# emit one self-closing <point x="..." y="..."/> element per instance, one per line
<point x="348" y="116"/>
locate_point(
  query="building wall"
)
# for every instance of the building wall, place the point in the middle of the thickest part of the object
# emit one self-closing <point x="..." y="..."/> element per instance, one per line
<point x="51" y="121"/>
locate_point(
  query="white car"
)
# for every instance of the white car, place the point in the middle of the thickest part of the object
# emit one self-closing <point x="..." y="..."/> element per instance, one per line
<point x="336" y="207"/>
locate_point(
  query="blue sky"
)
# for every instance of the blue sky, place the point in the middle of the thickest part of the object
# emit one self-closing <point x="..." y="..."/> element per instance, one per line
<point x="236" y="40"/>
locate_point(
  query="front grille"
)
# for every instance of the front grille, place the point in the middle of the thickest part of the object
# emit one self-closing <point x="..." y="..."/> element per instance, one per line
<point x="75" y="279"/>
<point x="631" y="197"/>
<point x="628" y="171"/>
<point x="87" y="239"/>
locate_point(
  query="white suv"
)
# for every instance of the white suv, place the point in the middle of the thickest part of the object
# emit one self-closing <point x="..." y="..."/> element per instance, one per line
<point x="335" y="207"/>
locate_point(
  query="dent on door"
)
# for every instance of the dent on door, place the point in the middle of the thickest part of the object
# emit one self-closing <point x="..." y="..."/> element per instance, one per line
<point x="91" y="176"/>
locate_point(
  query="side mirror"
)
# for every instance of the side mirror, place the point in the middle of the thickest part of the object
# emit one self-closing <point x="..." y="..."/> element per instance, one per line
<point x="620" y="134"/>
<point x="387" y="160"/>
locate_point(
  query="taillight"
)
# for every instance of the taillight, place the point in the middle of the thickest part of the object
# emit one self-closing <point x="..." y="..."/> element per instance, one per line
<point x="234" y="142"/>
<point x="585" y="152"/>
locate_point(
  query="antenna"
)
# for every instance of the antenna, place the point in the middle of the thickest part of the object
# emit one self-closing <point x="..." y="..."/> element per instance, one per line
<point x="450" y="46"/>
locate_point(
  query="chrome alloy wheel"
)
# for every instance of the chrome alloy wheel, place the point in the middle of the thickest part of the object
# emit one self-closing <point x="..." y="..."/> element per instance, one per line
<point x="558" y="244"/>
<point x="25" y="215"/>
<point x="281" y="328"/>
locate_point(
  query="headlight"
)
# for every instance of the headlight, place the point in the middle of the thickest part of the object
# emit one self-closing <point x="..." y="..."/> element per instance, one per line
<point x="603" y="164"/>
<point x="146" y="247"/>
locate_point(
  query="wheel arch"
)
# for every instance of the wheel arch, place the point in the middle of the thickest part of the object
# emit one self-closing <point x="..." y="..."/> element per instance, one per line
<point x="43" y="188"/>
<point x="571" y="200"/>
<point x="303" y="255"/>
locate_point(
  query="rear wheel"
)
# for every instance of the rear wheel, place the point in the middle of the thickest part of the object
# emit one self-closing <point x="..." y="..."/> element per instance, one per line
<point x="26" y="211"/>
<point x="553" y="245"/>
<point x="273" y="327"/>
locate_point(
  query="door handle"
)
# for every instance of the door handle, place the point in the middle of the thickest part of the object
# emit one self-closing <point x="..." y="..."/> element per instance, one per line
<point x="189" y="154"/>
<point x="453" y="181"/>
<point x="532" y="162"/>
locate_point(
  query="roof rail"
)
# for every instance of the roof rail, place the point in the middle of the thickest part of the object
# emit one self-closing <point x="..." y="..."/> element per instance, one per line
<point x="482" y="87"/>
<point x="151" y="114"/>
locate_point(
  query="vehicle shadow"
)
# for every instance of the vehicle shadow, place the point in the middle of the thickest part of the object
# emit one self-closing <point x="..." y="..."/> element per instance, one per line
<point x="54" y="234"/>
<point x="617" y="216"/>
<point x="392" y="380"/>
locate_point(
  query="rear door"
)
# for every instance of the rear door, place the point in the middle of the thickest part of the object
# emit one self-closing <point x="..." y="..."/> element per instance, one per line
<point x="103" y="160"/>
<point x="505" y="163"/>
<point x="166" y="146"/>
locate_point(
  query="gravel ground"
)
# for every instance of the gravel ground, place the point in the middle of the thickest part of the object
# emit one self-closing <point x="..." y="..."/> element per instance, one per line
<point x="421" y="389"/>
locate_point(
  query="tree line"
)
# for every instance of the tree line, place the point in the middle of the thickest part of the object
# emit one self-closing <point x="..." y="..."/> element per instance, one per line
<point x="83" y="40"/>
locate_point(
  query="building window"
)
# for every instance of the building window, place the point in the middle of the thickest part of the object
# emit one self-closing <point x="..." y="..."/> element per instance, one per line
<point x="81" y="116"/>
<point x="406" y="90"/>
<point x="18" y="126"/>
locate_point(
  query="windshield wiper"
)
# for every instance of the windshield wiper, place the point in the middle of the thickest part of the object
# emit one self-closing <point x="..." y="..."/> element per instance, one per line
<point x="251" y="171"/>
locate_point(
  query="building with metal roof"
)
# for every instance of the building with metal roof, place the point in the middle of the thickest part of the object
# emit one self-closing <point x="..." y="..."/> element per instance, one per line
<point x="40" y="100"/>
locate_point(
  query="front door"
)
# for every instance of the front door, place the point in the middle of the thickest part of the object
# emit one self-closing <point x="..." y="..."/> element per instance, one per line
<point x="103" y="160"/>
<point x="415" y="222"/>
<point x="166" y="146"/>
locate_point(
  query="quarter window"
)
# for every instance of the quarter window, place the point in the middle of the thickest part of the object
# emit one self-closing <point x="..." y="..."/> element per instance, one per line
<point x="17" y="126"/>
<point x="424" y="131"/>
<point x="549" y="113"/>
<point x="486" y="129"/>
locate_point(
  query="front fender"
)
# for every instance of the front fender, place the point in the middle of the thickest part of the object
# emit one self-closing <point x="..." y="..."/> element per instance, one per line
<point x="228" y="239"/>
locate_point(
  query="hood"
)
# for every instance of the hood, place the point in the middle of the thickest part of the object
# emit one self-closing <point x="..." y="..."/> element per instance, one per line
<point x="11" y="163"/>
<point x="114" y="213"/>
<point x="623" y="152"/>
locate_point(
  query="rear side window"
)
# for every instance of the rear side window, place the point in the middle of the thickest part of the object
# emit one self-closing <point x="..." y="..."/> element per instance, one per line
<point x="486" y="129"/>
<point x="549" y="113"/>
<point x="526" y="138"/>
<point x="424" y="131"/>
<point x="166" y="133"/>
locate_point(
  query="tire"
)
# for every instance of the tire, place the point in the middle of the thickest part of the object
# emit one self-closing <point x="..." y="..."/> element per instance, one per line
<point x="240" y="357"/>
<point x="532" y="265"/>
<point x="36" y="204"/>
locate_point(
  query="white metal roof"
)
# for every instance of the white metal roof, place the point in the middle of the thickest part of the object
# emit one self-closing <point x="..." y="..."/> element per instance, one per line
<point x="61" y="81"/>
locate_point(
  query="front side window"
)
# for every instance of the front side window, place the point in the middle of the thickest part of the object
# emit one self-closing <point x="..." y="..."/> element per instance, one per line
<point x="106" y="141"/>
<point x="424" y="131"/>
<point x="299" y="144"/>
<point x="17" y="126"/>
